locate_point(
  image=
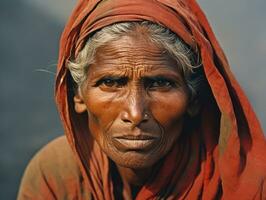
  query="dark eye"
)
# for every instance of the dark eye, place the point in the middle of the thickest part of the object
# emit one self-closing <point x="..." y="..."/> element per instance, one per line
<point x="159" y="83"/>
<point x="111" y="82"/>
<point x="108" y="82"/>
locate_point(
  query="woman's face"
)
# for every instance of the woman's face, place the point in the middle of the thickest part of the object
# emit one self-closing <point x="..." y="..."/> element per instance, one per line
<point x="135" y="99"/>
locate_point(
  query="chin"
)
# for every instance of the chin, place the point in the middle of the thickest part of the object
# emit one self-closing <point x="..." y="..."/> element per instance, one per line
<point x="135" y="160"/>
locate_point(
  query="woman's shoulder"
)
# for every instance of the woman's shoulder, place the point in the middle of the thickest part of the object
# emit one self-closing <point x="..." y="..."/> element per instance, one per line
<point x="55" y="157"/>
<point x="53" y="173"/>
<point x="55" y="153"/>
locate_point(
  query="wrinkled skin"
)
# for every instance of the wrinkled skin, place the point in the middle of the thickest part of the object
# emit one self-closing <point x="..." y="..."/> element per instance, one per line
<point x="135" y="99"/>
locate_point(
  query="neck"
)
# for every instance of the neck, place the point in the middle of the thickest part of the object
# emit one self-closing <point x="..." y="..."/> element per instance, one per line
<point x="133" y="179"/>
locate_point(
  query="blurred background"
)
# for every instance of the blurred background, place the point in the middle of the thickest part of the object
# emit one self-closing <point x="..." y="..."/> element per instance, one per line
<point x="29" y="37"/>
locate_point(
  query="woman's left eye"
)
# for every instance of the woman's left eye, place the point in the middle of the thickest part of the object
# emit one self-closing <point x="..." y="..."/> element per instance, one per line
<point x="159" y="83"/>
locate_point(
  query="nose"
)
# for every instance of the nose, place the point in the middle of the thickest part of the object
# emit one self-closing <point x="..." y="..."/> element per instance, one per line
<point x="135" y="111"/>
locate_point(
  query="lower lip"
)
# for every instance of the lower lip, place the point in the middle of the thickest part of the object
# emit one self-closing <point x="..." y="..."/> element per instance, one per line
<point x="128" y="144"/>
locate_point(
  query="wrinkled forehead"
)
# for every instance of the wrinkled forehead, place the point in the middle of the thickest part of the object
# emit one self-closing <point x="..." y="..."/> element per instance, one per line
<point x="134" y="53"/>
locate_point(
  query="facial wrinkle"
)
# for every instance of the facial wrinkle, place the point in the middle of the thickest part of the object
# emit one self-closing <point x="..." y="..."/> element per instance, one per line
<point x="135" y="53"/>
<point x="135" y="56"/>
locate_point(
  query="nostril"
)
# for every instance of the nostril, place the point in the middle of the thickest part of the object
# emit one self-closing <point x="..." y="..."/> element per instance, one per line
<point x="126" y="121"/>
<point x="135" y="119"/>
<point x="145" y="120"/>
<point x="146" y="117"/>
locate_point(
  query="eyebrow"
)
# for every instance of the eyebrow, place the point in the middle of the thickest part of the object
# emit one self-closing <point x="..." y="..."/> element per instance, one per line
<point x="170" y="74"/>
<point x="118" y="71"/>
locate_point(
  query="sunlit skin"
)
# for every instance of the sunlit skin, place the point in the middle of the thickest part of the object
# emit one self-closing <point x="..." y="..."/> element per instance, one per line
<point x="136" y="100"/>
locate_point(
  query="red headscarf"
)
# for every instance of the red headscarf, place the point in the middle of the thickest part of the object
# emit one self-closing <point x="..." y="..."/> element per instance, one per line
<point x="228" y="161"/>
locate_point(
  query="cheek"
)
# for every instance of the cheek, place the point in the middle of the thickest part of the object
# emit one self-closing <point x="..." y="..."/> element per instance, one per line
<point x="169" y="109"/>
<point x="99" y="121"/>
<point x="102" y="109"/>
<point x="102" y="112"/>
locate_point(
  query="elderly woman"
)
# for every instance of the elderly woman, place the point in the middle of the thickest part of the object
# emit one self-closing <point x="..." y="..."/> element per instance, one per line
<point x="150" y="110"/>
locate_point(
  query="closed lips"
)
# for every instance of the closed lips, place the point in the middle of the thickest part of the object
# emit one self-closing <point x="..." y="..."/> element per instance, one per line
<point x="129" y="142"/>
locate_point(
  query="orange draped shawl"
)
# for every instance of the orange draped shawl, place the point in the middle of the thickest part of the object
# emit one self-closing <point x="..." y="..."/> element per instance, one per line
<point x="224" y="160"/>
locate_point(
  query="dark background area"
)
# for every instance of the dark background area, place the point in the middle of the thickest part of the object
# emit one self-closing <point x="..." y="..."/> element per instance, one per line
<point x="29" y="37"/>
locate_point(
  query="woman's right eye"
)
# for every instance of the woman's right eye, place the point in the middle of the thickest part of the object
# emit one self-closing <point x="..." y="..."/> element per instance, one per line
<point x="108" y="82"/>
<point x="111" y="82"/>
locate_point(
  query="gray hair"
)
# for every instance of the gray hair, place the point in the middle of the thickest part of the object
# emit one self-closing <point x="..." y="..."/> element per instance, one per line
<point x="186" y="59"/>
